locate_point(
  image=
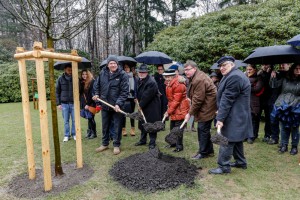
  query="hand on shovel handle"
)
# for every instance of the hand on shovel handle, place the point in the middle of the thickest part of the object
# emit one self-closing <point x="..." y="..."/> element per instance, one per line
<point x="113" y="107"/>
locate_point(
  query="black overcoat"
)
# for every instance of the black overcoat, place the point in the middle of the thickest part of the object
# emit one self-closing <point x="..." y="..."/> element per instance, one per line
<point x="233" y="100"/>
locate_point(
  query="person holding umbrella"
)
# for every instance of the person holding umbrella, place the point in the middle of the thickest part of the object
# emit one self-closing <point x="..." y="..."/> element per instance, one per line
<point x="158" y="76"/>
<point x="233" y="116"/>
<point x="112" y="87"/>
<point x="149" y="104"/>
<point x="65" y="101"/>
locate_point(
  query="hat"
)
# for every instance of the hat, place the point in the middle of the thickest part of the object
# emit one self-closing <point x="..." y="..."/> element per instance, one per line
<point x="143" y="68"/>
<point x="169" y="72"/>
<point x="224" y="59"/>
<point x="112" y="58"/>
<point x="175" y="67"/>
<point x="213" y="74"/>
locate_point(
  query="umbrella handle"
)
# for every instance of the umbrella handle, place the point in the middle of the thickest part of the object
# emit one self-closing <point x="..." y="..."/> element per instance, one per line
<point x="140" y="109"/>
<point x="121" y="111"/>
<point x="183" y="123"/>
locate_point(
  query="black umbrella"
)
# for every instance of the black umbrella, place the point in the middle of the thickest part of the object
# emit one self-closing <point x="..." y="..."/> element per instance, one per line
<point x="274" y="55"/>
<point x="295" y="41"/>
<point x="127" y="60"/>
<point x="85" y="63"/>
<point x="153" y="58"/>
<point x="238" y="63"/>
<point x="103" y="63"/>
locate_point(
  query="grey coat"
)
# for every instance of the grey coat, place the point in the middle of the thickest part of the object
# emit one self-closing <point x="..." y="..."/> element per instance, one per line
<point x="233" y="100"/>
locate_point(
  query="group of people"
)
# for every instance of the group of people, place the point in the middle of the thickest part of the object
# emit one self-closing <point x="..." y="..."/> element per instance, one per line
<point x="233" y="99"/>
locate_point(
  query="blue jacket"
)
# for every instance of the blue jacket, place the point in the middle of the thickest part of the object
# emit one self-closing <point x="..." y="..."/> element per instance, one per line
<point x="112" y="87"/>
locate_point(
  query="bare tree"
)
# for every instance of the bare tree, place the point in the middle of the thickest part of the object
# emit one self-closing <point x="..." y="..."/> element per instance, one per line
<point x="56" y="21"/>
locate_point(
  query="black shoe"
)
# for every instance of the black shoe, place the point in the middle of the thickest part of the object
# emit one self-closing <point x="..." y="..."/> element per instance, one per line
<point x="88" y="133"/>
<point x="272" y="141"/>
<point x="284" y="148"/>
<point x="200" y="156"/>
<point x="294" y="151"/>
<point x="152" y="146"/>
<point x="266" y="139"/>
<point x="219" y="171"/>
<point x="139" y="143"/>
<point x="250" y="141"/>
<point x="234" y="164"/>
<point x="177" y="150"/>
<point x="170" y="146"/>
<point x="93" y="136"/>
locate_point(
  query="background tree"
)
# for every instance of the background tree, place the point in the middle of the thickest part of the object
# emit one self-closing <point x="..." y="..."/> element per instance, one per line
<point x="57" y="20"/>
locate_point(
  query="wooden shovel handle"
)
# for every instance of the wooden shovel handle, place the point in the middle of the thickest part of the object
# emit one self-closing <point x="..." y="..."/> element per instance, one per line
<point x="140" y="109"/>
<point x="219" y="129"/>
<point x="121" y="111"/>
<point x="183" y="123"/>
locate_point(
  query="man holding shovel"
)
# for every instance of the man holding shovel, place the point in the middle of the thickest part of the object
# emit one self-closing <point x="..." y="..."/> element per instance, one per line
<point x="202" y="93"/>
<point x="234" y="115"/>
<point x="112" y="86"/>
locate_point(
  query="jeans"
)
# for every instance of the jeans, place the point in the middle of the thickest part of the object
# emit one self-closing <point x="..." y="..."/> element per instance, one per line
<point x="286" y="132"/>
<point x="205" y="145"/>
<point x="275" y="130"/>
<point x="67" y="111"/>
<point x="107" y="118"/>
<point x="233" y="148"/>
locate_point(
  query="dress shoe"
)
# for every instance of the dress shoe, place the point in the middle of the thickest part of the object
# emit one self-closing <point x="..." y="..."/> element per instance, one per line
<point x="294" y="151"/>
<point x="139" y="143"/>
<point x="266" y="139"/>
<point x="283" y="148"/>
<point x="88" y="133"/>
<point x="234" y="164"/>
<point x="219" y="171"/>
<point x="200" y="156"/>
<point x="170" y="146"/>
<point x="177" y="150"/>
<point x="272" y="141"/>
<point x="250" y="141"/>
<point x="101" y="148"/>
<point x="152" y="146"/>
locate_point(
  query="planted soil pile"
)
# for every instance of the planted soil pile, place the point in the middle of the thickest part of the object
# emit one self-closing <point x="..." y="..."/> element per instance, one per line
<point x="153" y="127"/>
<point x="152" y="171"/>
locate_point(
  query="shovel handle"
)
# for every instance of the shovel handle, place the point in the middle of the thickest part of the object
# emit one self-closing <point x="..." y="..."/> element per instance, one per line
<point x="121" y="111"/>
<point x="163" y="120"/>
<point x="183" y="123"/>
<point x="219" y="129"/>
<point x="140" y="109"/>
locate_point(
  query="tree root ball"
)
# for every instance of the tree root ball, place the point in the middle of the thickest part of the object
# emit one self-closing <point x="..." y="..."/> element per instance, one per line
<point x="145" y="172"/>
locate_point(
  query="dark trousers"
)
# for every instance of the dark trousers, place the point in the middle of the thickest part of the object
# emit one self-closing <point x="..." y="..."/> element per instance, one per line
<point x="267" y="110"/>
<point x="205" y="145"/>
<point x="92" y="124"/>
<point x="286" y="131"/>
<point x="129" y="108"/>
<point x="275" y="130"/>
<point x="255" y="124"/>
<point x="143" y="138"/>
<point x="235" y="149"/>
<point x="177" y="123"/>
<point x="107" y="118"/>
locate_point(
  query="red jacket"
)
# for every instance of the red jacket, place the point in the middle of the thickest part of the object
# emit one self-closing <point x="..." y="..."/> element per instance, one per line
<point x="178" y="103"/>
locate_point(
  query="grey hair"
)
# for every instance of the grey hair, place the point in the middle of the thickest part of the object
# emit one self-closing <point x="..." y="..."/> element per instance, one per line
<point x="190" y="63"/>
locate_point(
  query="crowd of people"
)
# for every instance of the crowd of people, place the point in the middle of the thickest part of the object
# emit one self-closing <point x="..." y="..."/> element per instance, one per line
<point x="230" y="99"/>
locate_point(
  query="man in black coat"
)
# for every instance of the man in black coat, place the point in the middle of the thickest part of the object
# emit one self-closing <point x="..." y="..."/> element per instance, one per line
<point x="111" y="86"/>
<point x="160" y="80"/>
<point x="234" y="115"/>
<point x="148" y="97"/>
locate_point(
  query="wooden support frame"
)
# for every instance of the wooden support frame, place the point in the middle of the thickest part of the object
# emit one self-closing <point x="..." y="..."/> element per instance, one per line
<point x="39" y="55"/>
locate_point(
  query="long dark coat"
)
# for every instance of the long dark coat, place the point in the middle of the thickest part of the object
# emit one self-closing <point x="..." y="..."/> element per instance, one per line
<point x="233" y="100"/>
<point x="162" y="89"/>
<point x="256" y="87"/>
<point x="148" y="97"/>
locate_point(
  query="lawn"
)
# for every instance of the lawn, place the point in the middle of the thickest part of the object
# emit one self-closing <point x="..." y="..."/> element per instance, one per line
<point x="270" y="175"/>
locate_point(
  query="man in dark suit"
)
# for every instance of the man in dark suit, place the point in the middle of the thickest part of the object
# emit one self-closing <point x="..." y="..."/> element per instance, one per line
<point x="234" y="115"/>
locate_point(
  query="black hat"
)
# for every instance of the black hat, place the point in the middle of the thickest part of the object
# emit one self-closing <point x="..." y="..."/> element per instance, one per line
<point x="224" y="59"/>
<point x="213" y="74"/>
<point x="112" y="58"/>
<point x="143" y="68"/>
<point x="169" y="72"/>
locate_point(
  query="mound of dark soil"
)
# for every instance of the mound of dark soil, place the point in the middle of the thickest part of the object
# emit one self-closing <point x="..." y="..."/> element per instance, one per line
<point x="152" y="171"/>
<point x="21" y="186"/>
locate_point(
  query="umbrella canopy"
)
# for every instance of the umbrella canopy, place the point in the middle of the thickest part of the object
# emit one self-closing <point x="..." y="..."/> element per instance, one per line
<point x="85" y="63"/>
<point x="153" y="58"/>
<point x="295" y="41"/>
<point x="274" y="55"/>
<point x="127" y="60"/>
<point x="103" y="63"/>
<point x="238" y="63"/>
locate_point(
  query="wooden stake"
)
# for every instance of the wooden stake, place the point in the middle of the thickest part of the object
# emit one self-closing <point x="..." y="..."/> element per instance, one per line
<point x="40" y="75"/>
<point x="77" y="114"/>
<point x="27" y="118"/>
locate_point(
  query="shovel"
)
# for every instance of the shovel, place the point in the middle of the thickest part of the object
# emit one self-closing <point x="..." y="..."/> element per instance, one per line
<point x="149" y="127"/>
<point x="218" y="138"/>
<point x="176" y="132"/>
<point x="130" y="115"/>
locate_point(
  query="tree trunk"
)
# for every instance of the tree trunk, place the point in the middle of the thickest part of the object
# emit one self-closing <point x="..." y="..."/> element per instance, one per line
<point x="146" y="22"/>
<point x="107" y="30"/>
<point x="173" y="13"/>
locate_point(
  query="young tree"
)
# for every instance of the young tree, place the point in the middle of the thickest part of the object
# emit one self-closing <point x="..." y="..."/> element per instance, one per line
<point x="57" y="20"/>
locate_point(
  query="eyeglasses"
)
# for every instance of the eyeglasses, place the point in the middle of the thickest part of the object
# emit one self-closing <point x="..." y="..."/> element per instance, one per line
<point x="187" y="69"/>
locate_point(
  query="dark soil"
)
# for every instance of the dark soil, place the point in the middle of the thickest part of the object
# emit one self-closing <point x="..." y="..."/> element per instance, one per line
<point x="171" y="139"/>
<point x="153" y="127"/>
<point x="219" y="139"/>
<point x="136" y="116"/>
<point x="152" y="171"/>
<point x="21" y="186"/>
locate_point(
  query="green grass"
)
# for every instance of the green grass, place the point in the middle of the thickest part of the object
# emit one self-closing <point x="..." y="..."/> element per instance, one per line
<point x="269" y="175"/>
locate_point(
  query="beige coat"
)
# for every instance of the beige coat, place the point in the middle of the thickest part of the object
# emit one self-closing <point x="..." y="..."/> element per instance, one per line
<point x="202" y="93"/>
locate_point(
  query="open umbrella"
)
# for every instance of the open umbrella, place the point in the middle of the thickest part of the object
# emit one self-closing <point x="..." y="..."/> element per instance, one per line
<point x="103" y="63"/>
<point x="238" y="63"/>
<point x="153" y="58"/>
<point x="127" y="60"/>
<point x="85" y="63"/>
<point x="274" y="55"/>
<point x="295" y="41"/>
